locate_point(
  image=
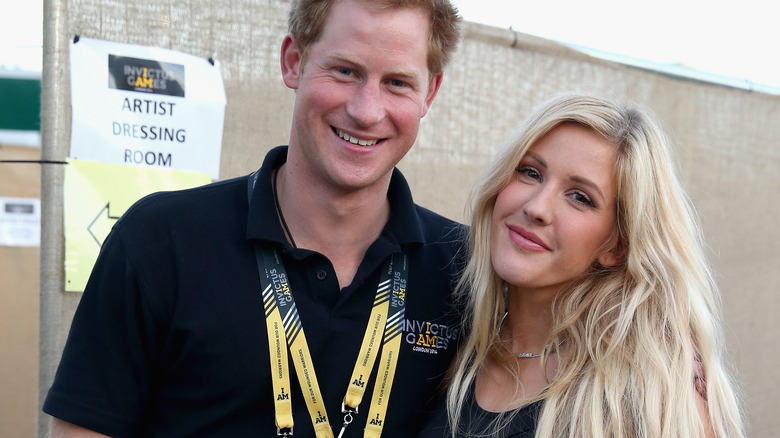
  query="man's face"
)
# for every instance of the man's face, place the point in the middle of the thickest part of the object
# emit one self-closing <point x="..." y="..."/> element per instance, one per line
<point x="360" y="95"/>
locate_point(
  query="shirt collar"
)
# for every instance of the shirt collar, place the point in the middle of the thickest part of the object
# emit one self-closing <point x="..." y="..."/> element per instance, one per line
<point x="404" y="226"/>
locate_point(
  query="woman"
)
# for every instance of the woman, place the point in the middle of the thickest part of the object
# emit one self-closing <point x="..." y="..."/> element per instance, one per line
<point x="592" y="309"/>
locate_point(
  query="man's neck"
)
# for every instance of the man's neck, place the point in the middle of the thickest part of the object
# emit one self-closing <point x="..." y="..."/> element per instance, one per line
<point x="338" y="224"/>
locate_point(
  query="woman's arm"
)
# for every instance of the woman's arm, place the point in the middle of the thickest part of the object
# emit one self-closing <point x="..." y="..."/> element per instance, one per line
<point x="704" y="415"/>
<point x="700" y="393"/>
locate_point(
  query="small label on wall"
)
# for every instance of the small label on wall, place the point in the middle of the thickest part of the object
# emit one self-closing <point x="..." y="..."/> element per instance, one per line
<point x="20" y="222"/>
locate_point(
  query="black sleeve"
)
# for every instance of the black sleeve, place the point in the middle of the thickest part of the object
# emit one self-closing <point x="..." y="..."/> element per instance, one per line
<point x="105" y="374"/>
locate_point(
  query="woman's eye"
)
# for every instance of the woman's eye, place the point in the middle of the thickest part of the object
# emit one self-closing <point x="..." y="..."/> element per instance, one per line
<point x="583" y="199"/>
<point x="529" y="172"/>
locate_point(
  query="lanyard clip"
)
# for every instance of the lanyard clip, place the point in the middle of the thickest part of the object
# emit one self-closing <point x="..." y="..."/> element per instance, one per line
<point x="346" y="409"/>
<point x="285" y="431"/>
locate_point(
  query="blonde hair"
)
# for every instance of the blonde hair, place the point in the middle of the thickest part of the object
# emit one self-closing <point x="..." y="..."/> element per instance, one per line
<point x="633" y="331"/>
<point x="307" y="21"/>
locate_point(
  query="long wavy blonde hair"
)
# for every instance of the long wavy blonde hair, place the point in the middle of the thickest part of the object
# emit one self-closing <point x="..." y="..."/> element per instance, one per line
<point x="632" y="332"/>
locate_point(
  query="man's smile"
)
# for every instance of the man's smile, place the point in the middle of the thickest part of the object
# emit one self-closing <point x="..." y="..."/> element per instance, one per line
<point x="354" y="140"/>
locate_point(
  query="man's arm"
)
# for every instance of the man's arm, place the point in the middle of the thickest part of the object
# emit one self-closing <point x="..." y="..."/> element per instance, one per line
<point x="63" y="429"/>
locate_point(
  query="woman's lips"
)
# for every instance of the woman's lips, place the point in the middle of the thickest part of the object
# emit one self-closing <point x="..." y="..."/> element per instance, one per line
<point x="526" y="239"/>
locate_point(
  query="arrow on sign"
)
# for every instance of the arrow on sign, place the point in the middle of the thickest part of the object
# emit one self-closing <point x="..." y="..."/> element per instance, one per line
<point x="101" y="225"/>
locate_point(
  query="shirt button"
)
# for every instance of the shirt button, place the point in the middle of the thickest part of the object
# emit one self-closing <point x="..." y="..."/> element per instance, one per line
<point x="321" y="274"/>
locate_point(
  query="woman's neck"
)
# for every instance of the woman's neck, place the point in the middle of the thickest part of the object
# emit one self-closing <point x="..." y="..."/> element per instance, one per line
<point x="528" y="321"/>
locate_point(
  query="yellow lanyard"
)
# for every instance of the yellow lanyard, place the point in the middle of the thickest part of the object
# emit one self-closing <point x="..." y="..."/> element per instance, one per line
<point x="284" y="327"/>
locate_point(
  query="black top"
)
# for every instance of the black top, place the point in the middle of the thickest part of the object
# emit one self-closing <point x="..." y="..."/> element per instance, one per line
<point x="477" y="422"/>
<point x="169" y="338"/>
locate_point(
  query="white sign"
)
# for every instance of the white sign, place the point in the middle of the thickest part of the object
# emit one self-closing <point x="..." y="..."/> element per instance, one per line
<point x="20" y="222"/>
<point x="145" y="106"/>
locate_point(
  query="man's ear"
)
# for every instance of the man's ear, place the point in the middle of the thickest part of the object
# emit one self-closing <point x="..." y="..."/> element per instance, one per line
<point x="291" y="61"/>
<point x="433" y="88"/>
<point x="613" y="257"/>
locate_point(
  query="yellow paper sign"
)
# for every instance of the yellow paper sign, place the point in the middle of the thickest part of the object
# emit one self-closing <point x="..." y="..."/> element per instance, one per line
<point x="96" y="195"/>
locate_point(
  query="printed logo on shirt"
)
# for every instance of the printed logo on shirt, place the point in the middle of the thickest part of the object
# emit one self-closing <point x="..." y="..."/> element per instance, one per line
<point x="428" y="337"/>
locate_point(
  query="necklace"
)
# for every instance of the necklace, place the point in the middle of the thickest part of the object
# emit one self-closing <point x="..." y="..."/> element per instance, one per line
<point x="522" y="355"/>
<point x="279" y="211"/>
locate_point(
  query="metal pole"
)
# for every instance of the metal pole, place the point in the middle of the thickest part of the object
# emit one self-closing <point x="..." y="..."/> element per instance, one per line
<point x="56" y="307"/>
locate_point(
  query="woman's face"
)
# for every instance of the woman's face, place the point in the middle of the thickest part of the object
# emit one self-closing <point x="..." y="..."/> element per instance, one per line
<point x="551" y="222"/>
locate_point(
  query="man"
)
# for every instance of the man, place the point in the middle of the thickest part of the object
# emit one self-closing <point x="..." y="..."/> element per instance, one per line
<point x="210" y="309"/>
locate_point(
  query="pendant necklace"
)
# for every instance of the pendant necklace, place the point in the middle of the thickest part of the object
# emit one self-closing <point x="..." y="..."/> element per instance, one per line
<point x="522" y="355"/>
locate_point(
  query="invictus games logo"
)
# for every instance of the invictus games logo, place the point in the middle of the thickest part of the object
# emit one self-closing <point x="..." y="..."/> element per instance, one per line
<point x="428" y="337"/>
<point x="145" y="76"/>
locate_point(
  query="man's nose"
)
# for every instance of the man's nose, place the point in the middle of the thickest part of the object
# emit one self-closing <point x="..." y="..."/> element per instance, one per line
<point x="366" y="106"/>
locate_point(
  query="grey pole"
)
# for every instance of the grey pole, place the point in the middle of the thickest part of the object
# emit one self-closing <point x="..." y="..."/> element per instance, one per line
<point x="56" y="306"/>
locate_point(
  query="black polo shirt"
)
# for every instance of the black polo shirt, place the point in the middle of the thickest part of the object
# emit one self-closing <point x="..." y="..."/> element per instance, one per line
<point x="169" y="338"/>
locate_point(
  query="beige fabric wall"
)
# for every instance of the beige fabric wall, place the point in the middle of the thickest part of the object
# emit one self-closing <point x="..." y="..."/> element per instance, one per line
<point x="727" y="138"/>
<point x="19" y="303"/>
